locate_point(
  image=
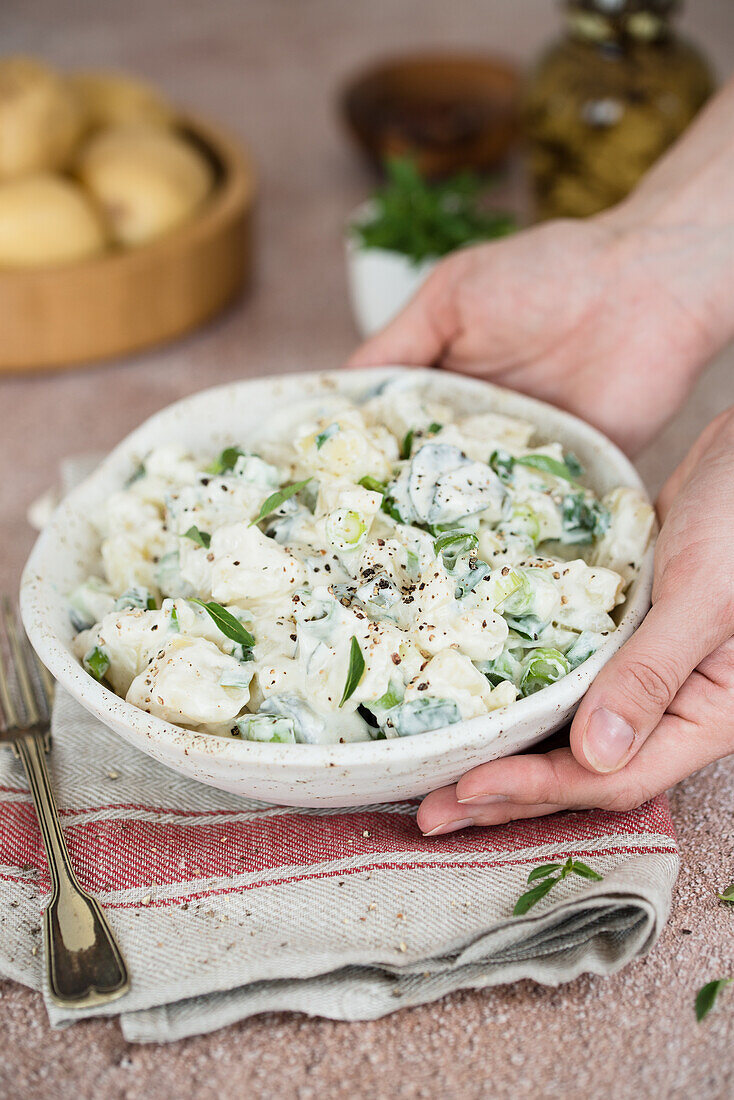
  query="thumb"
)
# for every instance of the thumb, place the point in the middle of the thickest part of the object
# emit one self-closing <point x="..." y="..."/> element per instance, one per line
<point x="632" y="692"/>
<point x="420" y="333"/>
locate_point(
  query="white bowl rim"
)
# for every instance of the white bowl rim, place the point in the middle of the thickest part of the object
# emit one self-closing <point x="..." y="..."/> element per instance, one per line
<point x="485" y="728"/>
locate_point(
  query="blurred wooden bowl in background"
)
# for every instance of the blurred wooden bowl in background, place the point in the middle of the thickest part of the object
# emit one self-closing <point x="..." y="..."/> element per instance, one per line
<point x="129" y="299"/>
<point x="448" y="111"/>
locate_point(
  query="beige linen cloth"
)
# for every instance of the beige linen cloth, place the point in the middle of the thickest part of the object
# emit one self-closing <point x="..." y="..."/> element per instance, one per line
<point x="225" y="907"/>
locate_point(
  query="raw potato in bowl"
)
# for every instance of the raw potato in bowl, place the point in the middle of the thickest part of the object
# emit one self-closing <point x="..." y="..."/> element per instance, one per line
<point x="371" y="557"/>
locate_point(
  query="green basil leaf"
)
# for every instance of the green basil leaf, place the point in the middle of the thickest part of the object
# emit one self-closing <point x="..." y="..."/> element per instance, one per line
<point x="136" y="475"/>
<point x="372" y="484"/>
<point x="547" y="465"/>
<point x="226" y="461"/>
<point x="326" y="434"/>
<point x="354" y="673"/>
<point x="407" y="445"/>
<point x="96" y="662"/>
<point x="231" y="627"/>
<point x="706" y="997"/>
<point x="275" y="500"/>
<point x="201" y="538"/>
<point x="532" y="897"/>
<point x="584" y="871"/>
<point x="543" y="871"/>
<point x="728" y="894"/>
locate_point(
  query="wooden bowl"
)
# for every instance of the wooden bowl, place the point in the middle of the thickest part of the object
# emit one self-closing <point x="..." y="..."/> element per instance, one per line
<point x="128" y="299"/>
<point x="448" y="111"/>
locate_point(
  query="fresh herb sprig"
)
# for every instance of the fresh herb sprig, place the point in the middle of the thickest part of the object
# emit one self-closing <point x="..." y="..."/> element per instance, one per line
<point x="707" y="996"/>
<point x="201" y="538"/>
<point x="355" y="671"/>
<point x="426" y="220"/>
<point x="231" y="627"/>
<point x="275" y="500"/>
<point x="546" y="879"/>
<point x="568" y="470"/>
<point x="728" y="894"/>
<point x="226" y="461"/>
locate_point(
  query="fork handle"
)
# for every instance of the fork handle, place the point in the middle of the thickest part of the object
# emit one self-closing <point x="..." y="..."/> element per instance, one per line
<point x="83" y="963"/>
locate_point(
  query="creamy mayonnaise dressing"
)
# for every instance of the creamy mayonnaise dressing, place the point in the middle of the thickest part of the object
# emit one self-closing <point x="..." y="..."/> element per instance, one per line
<point x="379" y="570"/>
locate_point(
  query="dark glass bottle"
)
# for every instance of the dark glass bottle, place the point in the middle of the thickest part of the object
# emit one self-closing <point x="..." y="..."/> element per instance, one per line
<point x="607" y="100"/>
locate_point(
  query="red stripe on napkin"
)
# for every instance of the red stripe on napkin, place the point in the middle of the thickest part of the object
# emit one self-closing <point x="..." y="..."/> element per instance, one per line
<point x="118" y="853"/>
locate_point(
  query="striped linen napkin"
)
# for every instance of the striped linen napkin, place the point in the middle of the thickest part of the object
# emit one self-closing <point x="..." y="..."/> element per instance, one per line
<point x="225" y="907"/>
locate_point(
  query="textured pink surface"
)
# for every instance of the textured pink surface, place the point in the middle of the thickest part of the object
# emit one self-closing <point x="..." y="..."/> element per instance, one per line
<point x="268" y="69"/>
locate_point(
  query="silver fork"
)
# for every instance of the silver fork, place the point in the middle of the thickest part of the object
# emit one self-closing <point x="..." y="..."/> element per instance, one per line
<point x="83" y="963"/>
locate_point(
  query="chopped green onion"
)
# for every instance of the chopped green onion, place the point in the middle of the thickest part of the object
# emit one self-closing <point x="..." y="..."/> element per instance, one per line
<point x="467" y="540"/>
<point x="372" y="484"/>
<point x="96" y="662"/>
<point x="543" y="667"/>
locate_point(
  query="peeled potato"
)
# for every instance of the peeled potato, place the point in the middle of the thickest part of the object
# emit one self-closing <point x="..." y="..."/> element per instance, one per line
<point x="146" y="180"/>
<point x="41" y="118"/>
<point x="113" y="99"/>
<point x="45" y="219"/>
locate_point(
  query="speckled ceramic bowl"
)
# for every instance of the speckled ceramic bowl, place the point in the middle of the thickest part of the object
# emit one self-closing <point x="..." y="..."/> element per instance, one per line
<point x="305" y="775"/>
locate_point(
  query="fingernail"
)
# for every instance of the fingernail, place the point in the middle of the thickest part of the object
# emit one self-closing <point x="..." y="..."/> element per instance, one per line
<point x="483" y="799"/>
<point x="607" y="740"/>
<point x="450" y="826"/>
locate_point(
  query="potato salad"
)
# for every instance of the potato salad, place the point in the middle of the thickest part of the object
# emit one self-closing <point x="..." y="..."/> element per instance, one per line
<point x="385" y="568"/>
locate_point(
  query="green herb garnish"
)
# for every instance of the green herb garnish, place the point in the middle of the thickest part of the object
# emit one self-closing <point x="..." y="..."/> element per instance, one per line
<point x="96" y="662"/>
<point x="549" y="465"/>
<point x="433" y="428"/>
<point x="231" y="627"/>
<point x="372" y="484"/>
<point x="584" y="519"/>
<point x="275" y="500"/>
<point x="326" y="434"/>
<point x="202" y="538"/>
<point x="354" y="673"/>
<point x="136" y="475"/>
<point x="174" y="621"/>
<point x="425" y="220"/>
<point x="226" y="461"/>
<point x="390" y="508"/>
<point x="728" y="894"/>
<point x="407" y="445"/>
<point x="707" y="994"/>
<point x="502" y="462"/>
<point x="549" y="879"/>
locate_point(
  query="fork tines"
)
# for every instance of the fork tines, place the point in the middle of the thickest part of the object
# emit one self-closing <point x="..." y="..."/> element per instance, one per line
<point x="26" y="687"/>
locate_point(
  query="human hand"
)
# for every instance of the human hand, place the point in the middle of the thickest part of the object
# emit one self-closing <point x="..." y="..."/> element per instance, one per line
<point x="575" y="313"/>
<point x="662" y="708"/>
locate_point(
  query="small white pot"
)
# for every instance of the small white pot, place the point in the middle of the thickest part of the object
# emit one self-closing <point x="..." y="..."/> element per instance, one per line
<point x="380" y="281"/>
